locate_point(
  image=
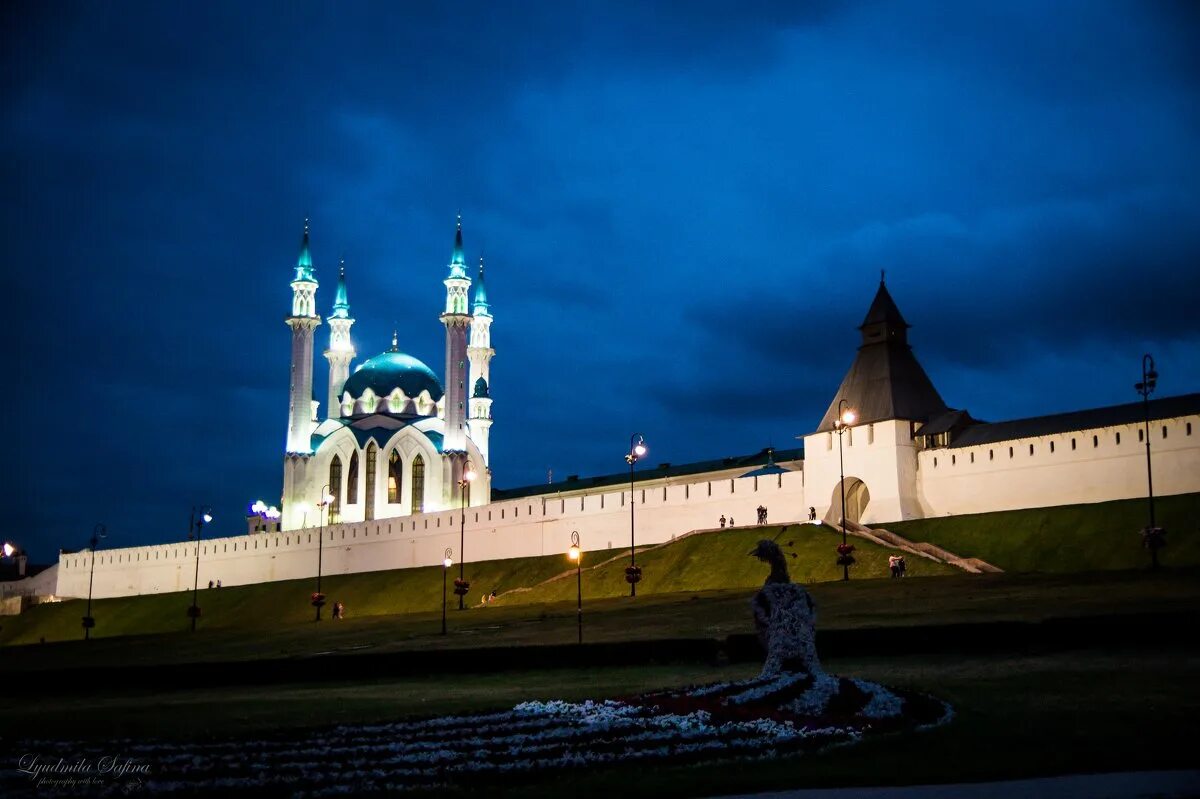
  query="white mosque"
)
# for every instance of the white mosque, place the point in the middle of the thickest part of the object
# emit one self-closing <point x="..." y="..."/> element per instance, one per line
<point x="396" y="440"/>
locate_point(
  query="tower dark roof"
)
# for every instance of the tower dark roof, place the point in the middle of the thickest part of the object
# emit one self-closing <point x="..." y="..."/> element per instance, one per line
<point x="885" y="381"/>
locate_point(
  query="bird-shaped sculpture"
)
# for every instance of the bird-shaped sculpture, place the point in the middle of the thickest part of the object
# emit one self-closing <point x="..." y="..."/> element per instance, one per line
<point x="785" y="617"/>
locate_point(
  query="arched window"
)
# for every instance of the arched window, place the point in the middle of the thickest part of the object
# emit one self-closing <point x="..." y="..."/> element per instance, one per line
<point x="352" y="481"/>
<point x="372" y="457"/>
<point x="395" y="472"/>
<point x="335" y="488"/>
<point x="418" y="484"/>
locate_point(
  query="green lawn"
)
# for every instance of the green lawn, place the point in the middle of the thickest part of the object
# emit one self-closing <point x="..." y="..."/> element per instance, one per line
<point x="1103" y="535"/>
<point x="1018" y="715"/>
<point x="714" y="561"/>
<point x="860" y="603"/>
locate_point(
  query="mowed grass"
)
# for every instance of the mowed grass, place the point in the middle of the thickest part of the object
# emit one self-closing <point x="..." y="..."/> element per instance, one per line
<point x="1017" y="715"/>
<point x="721" y="560"/>
<point x="706" y="562"/>
<point x="858" y="604"/>
<point x="1104" y="535"/>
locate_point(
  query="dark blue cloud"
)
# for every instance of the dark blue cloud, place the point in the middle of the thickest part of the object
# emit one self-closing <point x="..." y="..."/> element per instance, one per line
<point x="684" y="209"/>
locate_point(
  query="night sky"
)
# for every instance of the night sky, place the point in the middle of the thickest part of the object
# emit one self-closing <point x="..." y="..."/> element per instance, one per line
<point x="684" y="208"/>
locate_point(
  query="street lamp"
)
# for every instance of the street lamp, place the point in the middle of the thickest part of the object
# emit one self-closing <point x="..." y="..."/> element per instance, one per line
<point x="841" y="424"/>
<point x="576" y="554"/>
<point x="9" y="549"/>
<point x="461" y="586"/>
<point x="318" y="599"/>
<point x="197" y="523"/>
<point x="447" y="562"/>
<point x="1154" y="537"/>
<point x="98" y="533"/>
<point x="269" y="515"/>
<point x="633" y="574"/>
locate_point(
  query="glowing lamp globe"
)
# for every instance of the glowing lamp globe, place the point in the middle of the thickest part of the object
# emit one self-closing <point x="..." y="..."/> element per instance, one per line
<point x="447" y="562"/>
<point x="573" y="553"/>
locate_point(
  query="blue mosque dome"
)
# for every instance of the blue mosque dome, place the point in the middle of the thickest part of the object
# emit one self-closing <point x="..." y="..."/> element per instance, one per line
<point x="390" y="370"/>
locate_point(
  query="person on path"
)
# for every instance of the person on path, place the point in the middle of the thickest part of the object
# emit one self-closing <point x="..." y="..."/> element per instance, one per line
<point x="722" y="521"/>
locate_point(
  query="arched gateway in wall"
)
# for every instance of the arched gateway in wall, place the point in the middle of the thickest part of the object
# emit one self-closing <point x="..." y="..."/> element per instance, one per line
<point x="857" y="499"/>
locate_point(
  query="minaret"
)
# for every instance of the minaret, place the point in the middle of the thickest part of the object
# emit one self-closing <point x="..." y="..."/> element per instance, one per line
<point x="341" y="349"/>
<point x="480" y="354"/>
<point x="303" y="322"/>
<point x="456" y="318"/>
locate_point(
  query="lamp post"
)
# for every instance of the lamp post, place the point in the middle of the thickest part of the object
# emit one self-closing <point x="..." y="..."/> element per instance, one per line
<point x="461" y="586"/>
<point x="844" y="419"/>
<point x="269" y="515"/>
<point x="575" y="553"/>
<point x="318" y="599"/>
<point x="1153" y="537"/>
<point x="98" y="533"/>
<point x="637" y="448"/>
<point x="197" y="524"/>
<point x="447" y="562"/>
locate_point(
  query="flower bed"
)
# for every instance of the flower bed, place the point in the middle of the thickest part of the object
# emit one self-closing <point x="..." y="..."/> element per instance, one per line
<point x="738" y="720"/>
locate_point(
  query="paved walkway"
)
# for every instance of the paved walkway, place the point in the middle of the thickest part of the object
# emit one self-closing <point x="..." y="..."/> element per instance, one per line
<point x="1124" y="785"/>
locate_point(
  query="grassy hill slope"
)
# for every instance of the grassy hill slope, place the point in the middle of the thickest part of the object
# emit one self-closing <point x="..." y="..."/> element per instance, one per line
<point x="698" y="563"/>
<point x="1103" y="535"/>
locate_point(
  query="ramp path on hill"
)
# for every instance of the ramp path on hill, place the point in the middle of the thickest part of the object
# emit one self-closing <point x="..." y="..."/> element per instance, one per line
<point x="879" y="536"/>
<point x="886" y="538"/>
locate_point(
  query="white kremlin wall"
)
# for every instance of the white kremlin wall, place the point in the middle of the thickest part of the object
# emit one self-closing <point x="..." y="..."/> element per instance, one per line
<point x="1061" y="469"/>
<point x="904" y="482"/>
<point x="509" y="529"/>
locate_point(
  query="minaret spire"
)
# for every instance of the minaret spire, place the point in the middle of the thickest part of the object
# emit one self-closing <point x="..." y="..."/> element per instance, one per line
<point x="480" y="353"/>
<point x="456" y="317"/>
<point x="458" y="263"/>
<point x="301" y="408"/>
<point x="341" y="349"/>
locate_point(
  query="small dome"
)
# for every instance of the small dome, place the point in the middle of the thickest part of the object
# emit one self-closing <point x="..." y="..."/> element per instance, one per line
<point x="391" y="370"/>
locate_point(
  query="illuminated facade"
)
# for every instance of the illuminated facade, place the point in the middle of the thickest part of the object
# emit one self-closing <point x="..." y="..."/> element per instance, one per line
<point x="395" y="439"/>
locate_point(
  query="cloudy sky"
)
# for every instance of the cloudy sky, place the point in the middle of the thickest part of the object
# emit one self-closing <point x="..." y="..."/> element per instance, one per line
<point x="684" y="207"/>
